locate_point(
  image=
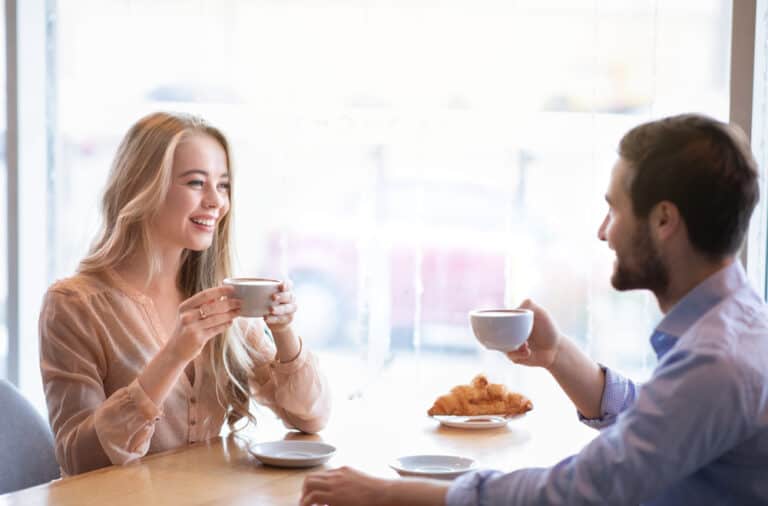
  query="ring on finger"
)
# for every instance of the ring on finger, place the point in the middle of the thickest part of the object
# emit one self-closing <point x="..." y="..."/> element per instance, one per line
<point x="203" y="313"/>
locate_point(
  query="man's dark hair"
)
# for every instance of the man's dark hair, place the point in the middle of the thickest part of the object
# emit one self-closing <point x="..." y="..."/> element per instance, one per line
<point x="701" y="165"/>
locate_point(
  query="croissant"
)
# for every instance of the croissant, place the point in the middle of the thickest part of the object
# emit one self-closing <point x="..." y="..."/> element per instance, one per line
<point x="480" y="398"/>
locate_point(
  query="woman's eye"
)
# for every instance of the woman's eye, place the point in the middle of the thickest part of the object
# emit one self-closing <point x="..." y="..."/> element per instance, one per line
<point x="224" y="187"/>
<point x="197" y="183"/>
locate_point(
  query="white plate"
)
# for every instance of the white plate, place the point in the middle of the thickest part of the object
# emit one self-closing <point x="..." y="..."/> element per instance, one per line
<point x="433" y="466"/>
<point x="475" y="422"/>
<point x="292" y="453"/>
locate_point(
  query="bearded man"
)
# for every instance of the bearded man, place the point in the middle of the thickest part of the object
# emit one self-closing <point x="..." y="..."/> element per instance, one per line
<point x="679" y="201"/>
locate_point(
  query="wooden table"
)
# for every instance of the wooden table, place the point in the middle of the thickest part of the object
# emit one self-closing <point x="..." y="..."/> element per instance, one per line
<point x="222" y="471"/>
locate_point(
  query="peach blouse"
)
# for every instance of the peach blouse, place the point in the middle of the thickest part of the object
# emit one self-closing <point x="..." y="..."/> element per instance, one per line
<point x="97" y="335"/>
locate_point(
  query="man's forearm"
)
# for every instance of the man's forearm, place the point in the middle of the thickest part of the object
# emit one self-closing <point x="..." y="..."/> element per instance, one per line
<point x="582" y="379"/>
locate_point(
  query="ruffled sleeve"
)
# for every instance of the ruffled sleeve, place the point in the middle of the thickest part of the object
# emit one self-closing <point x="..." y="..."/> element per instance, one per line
<point x="91" y="429"/>
<point x="296" y="391"/>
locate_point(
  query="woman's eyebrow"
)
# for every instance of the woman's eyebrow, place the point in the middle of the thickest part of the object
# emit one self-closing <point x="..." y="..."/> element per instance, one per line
<point x="201" y="172"/>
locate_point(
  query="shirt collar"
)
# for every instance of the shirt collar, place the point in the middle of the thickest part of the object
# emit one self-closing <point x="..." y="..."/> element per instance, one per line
<point x="695" y="303"/>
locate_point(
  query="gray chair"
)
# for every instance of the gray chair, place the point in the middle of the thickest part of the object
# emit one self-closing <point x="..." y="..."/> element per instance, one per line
<point x="27" y="456"/>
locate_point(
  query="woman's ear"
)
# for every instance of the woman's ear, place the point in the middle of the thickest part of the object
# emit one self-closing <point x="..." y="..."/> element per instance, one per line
<point x="665" y="220"/>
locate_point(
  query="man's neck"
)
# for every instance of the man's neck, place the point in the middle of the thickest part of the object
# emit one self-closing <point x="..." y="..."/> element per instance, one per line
<point x="686" y="275"/>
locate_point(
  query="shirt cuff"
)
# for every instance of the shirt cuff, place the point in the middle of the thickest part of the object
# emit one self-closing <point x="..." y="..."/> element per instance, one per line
<point x="467" y="489"/>
<point x="617" y="395"/>
<point x="145" y="405"/>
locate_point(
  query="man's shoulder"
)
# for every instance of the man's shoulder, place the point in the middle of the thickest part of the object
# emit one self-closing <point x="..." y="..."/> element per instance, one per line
<point x="736" y="329"/>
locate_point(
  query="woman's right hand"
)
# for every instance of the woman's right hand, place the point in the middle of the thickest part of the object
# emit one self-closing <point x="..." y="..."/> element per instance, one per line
<point x="201" y="317"/>
<point x="542" y="346"/>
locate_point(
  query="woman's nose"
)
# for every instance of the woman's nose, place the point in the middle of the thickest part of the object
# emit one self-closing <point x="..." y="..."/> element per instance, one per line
<point x="213" y="199"/>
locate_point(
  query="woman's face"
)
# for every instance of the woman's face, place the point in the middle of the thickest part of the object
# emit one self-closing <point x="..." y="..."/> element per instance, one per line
<point x="198" y="197"/>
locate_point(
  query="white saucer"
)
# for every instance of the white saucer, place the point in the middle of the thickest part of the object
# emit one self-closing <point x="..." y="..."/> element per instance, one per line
<point x="292" y="453"/>
<point x="475" y="422"/>
<point x="433" y="466"/>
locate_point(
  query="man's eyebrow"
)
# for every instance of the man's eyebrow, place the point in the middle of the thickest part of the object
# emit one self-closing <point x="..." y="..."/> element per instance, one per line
<point x="201" y="172"/>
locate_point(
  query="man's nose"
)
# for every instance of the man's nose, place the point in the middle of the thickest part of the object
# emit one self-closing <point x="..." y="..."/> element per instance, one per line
<point x="601" y="230"/>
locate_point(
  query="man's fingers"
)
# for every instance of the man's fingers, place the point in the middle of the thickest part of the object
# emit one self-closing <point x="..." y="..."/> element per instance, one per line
<point x="527" y="304"/>
<point x="316" y="497"/>
<point x="520" y="354"/>
<point x="315" y="482"/>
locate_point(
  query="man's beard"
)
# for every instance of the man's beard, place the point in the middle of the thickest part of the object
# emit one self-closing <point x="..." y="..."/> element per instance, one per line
<point x="643" y="267"/>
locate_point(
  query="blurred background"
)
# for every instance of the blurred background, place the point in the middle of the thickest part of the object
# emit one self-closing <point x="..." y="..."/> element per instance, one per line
<point x="402" y="162"/>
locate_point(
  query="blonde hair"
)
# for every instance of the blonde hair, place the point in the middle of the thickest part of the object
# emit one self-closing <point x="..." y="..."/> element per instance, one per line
<point x="137" y="186"/>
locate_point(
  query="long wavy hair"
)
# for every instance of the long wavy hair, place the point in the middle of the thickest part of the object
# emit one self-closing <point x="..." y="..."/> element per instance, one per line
<point x="137" y="186"/>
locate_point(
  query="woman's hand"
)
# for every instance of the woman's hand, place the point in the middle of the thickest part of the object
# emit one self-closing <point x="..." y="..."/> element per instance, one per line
<point x="201" y="317"/>
<point x="283" y="308"/>
<point x="542" y="346"/>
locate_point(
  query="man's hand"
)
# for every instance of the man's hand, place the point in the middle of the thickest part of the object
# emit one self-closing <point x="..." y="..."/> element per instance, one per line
<point x="542" y="346"/>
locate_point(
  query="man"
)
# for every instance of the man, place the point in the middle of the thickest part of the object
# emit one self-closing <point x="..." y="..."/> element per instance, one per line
<point x="680" y="198"/>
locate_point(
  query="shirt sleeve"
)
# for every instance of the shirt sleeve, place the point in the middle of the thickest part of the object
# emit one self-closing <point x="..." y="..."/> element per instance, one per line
<point x="91" y="429"/>
<point x="693" y="410"/>
<point x="297" y="391"/>
<point x="619" y="394"/>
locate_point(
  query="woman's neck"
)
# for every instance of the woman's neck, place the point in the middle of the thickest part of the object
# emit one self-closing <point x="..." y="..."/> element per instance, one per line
<point x="135" y="271"/>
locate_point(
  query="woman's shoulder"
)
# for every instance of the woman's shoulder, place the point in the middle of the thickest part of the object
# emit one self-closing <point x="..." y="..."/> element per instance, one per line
<point x="80" y="286"/>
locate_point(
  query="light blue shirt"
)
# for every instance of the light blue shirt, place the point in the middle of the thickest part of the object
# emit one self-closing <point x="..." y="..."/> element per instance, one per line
<point x="696" y="433"/>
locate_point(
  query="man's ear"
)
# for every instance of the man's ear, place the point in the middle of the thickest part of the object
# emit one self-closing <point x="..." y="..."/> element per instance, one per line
<point x="665" y="220"/>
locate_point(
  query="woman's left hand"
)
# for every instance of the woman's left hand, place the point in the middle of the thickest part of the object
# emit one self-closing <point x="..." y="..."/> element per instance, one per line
<point x="283" y="308"/>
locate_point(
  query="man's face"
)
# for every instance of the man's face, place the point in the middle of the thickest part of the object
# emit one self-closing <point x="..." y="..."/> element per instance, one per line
<point x="638" y="262"/>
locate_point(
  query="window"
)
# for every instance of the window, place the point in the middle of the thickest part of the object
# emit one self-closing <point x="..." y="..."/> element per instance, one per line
<point x="403" y="164"/>
<point x="4" y="212"/>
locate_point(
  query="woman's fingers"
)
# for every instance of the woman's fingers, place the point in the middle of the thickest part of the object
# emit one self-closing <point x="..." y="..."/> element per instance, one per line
<point x="278" y="320"/>
<point x="209" y="295"/>
<point x="219" y="306"/>
<point x="283" y="297"/>
<point x="218" y="329"/>
<point x="217" y="319"/>
<point x="283" y="309"/>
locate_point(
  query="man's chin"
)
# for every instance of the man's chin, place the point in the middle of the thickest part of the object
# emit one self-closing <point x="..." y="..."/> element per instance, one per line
<point x="622" y="282"/>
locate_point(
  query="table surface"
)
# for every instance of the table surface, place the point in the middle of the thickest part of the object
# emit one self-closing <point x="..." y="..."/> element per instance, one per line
<point x="222" y="471"/>
<point x="367" y="433"/>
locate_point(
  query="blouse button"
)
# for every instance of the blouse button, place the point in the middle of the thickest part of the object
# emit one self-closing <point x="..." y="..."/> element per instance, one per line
<point x="193" y="422"/>
<point x="192" y="400"/>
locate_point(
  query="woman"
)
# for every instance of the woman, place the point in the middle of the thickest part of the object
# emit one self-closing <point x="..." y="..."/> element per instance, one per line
<point x="139" y="353"/>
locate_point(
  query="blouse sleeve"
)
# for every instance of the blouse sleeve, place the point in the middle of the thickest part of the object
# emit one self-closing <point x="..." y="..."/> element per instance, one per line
<point x="91" y="430"/>
<point x="296" y="391"/>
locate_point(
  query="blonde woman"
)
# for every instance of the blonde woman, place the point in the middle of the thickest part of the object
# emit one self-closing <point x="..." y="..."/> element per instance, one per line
<point x="140" y="350"/>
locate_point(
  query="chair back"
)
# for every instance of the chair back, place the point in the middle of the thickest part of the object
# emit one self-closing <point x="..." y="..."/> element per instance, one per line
<point x="27" y="456"/>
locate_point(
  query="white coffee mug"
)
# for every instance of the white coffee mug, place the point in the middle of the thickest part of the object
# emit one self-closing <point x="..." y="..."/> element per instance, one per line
<point x="256" y="294"/>
<point x="501" y="329"/>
